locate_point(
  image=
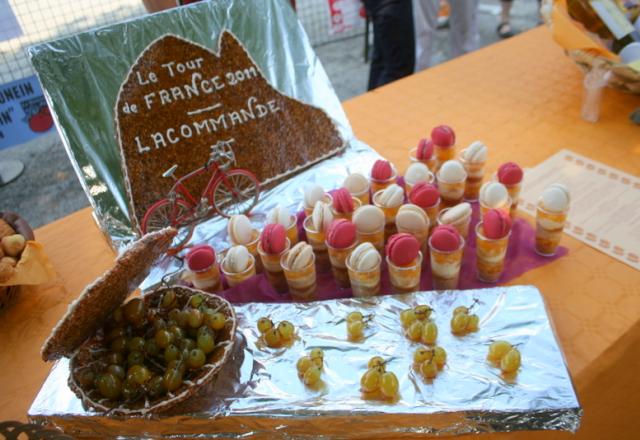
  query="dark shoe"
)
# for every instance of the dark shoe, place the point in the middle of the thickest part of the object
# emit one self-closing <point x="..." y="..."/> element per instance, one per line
<point x="504" y="30"/>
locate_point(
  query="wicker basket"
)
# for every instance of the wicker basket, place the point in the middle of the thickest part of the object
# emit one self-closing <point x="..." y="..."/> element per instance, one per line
<point x="17" y="430"/>
<point x="9" y="293"/>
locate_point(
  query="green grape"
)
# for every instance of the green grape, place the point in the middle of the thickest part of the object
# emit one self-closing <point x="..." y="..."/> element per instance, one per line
<point x="510" y="362"/>
<point x="459" y="323"/>
<point x="119" y="345"/>
<point x="138" y="374"/>
<point x="135" y="358"/>
<point x="216" y="320"/>
<point x="172" y="352"/>
<point x="114" y="358"/>
<point x="155" y="387"/>
<point x="370" y="380"/>
<point x="439" y="357"/>
<point x="136" y="344"/>
<point x="196" y="301"/>
<point x="196" y="359"/>
<point x="135" y="311"/>
<point x="206" y="342"/>
<point x="422" y="354"/>
<point x="163" y="338"/>
<point x="303" y="364"/>
<point x="355" y="316"/>
<point x="169" y="300"/>
<point x="461" y="309"/>
<point x="264" y="325"/>
<point x="414" y="332"/>
<point x="117" y="371"/>
<point x="316" y="353"/>
<point x="429" y="333"/>
<point x="115" y="333"/>
<point x="194" y="318"/>
<point x="176" y="332"/>
<point x="312" y="375"/>
<point x="389" y="384"/>
<point x="118" y="316"/>
<point x="407" y="317"/>
<point x="355" y="329"/>
<point x="109" y="386"/>
<point x="429" y="369"/>
<point x="86" y="379"/>
<point x="159" y="324"/>
<point x="187" y="344"/>
<point x="497" y="350"/>
<point x="172" y="379"/>
<point x="422" y="312"/>
<point x="130" y="390"/>
<point x="177" y="364"/>
<point x="318" y="362"/>
<point x="182" y="318"/>
<point x="473" y="324"/>
<point x="174" y="315"/>
<point x="286" y="329"/>
<point x="272" y="337"/>
<point x="376" y="362"/>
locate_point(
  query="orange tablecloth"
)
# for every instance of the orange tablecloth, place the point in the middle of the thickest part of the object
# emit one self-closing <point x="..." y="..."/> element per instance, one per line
<point x="522" y="97"/>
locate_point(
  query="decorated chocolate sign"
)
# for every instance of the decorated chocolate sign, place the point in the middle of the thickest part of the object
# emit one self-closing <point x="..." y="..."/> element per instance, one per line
<point x="186" y="111"/>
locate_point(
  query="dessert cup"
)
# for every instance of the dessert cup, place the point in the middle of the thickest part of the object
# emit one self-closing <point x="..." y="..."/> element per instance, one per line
<point x="431" y="163"/>
<point x="363" y="196"/>
<point x="445" y="267"/>
<point x="338" y="258"/>
<point x="443" y="154"/>
<point x="484" y="208"/>
<point x="451" y="193"/>
<point x="432" y="212"/>
<point x="475" y="175"/>
<point x="389" y="216"/>
<point x="235" y="278"/>
<point x="514" y="194"/>
<point x="347" y="215"/>
<point x="302" y="283"/>
<point x="207" y="279"/>
<point x="364" y="282"/>
<point x="549" y="226"/>
<point x="376" y="238"/>
<point x="273" y="269"/>
<point x="378" y="185"/>
<point x="409" y="186"/>
<point x="490" y="255"/>
<point x="317" y="241"/>
<point x="292" y="231"/>
<point x="405" y="279"/>
<point x="462" y="226"/>
<point x="308" y="210"/>
<point x="252" y="247"/>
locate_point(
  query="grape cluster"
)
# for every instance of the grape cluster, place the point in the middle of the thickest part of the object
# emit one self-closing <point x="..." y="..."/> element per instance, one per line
<point x="310" y="367"/>
<point x="276" y="335"/>
<point x="378" y="380"/>
<point x="504" y="355"/>
<point x="428" y="361"/>
<point x="356" y="324"/>
<point x="418" y="326"/>
<point x="153" y="350"/>
<point x="462" y="322"/>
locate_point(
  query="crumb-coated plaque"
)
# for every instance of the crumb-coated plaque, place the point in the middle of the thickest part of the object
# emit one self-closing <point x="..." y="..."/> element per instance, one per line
<point x="181" y="98"/>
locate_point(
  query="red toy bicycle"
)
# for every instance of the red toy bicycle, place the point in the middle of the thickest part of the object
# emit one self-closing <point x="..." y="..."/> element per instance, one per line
<point x="228" y="192"/>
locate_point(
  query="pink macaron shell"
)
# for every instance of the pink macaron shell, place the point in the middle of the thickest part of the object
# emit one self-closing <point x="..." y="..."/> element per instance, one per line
<point x="342" y="201"/>
<point x="200" y="258"/>
<point x="445" y="238"/>
<point x="443" y="136"/>
<point x="425" y="149"/>
<point x="402" y="249"/>
<point x="273" y="238"/>
<point x="510" y="173"/>
<point x="341" y="234"/>
<point x="496" y="224"/>
<point x="424" y="194"/>
<point x="381" y="170"/>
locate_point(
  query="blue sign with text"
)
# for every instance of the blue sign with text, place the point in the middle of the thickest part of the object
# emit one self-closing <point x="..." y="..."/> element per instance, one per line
<point x="24" y="114"/>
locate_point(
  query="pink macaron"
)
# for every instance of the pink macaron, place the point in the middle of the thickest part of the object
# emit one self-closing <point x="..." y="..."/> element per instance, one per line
<point x="510" y="173"/>
<point x="200" y="258"/>
<point x="445" y="238"/>
<point x="496" y="224"/>
<point x="342" y="201"/>
<point x="341" y="234"/>
<point x="402" y="249"/>
<point x="381" y="170"/>
<point x="443" y="136"/>
<point x="425" y="149"/>
<point x="424" y="195"/>
<point x="273" y="238"/>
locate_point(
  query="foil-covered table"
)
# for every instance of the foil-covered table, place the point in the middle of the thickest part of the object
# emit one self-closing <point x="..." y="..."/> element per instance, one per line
<point x="258" y="393"/>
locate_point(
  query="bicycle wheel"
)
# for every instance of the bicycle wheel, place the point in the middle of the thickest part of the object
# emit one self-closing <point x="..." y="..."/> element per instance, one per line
<point x="238" y="195"/>
<point x="163" y="214"/>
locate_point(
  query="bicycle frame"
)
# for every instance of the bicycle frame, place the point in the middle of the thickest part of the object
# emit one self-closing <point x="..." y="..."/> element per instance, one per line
<point x="216" y="174"/>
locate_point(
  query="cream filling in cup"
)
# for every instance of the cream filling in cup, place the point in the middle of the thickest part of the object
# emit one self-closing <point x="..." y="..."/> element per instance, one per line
<point x="484" y="208"/>
<point x="490" y="255"/>
<point x="451" y="193"/>
<point x="364" y="282"/>
<point x="317" y="241"/>
<point x="389" y="216"/>
<point x="445" y="267"/>
<point x="549" y="227"/>
<point x="338" y="258"/>
<point x="405" y="279"/>
<point x="273" y="268"/>
<point x="302" y="283"/>
<point x="443" y="154"/>
<point x="235" y="278"/>
<point x="376" y="238"/>
<point x="475" y="175"/>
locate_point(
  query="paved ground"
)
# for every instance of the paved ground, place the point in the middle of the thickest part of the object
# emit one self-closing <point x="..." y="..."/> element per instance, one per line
<point x="49" y="189"/>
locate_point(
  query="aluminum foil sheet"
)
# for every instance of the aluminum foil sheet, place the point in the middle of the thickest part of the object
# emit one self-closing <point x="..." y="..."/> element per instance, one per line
<point x="258" y="393"/>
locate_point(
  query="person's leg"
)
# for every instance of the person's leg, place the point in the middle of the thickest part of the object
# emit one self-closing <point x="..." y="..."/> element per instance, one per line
<point x="504" y="29"/>
<point x="377" y="61"/>
<point x="463" y="31"/>
<point x="394" y="25"/>
<point x="425" y="20"/>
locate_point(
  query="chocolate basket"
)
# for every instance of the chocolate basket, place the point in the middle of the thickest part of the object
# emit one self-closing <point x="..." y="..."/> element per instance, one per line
<point x="78" y="335"/>
<point x="9" y="293"/>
